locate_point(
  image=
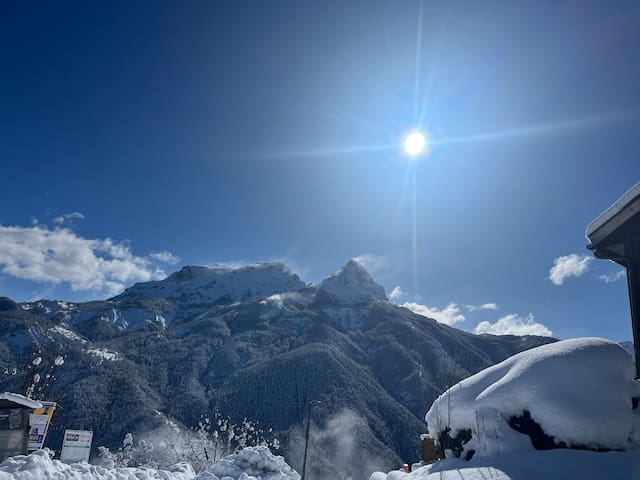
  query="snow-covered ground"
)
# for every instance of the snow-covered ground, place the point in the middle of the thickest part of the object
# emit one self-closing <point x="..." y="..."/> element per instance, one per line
<point x="252" y="463"/>
<point x="576" y="393"/>
<point x="573" y="393"/>
<point x="561" y="464"/>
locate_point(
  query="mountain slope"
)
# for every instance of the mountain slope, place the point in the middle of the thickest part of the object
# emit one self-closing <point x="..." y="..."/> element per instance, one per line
<point x="220" y="342"/>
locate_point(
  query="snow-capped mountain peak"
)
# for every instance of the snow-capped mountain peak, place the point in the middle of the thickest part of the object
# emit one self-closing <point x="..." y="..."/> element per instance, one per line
<point x="219" y="283"/>
<point x="352" y="284"/>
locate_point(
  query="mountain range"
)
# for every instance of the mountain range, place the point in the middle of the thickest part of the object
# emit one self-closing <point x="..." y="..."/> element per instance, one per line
<point x="253" y="342"/>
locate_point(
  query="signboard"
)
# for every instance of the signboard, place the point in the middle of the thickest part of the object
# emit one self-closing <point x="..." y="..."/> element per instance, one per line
<point x="39" y="424"/>
<point x="76" y="446"/>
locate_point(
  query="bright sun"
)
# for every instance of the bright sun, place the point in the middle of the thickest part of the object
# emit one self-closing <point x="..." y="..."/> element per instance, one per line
<point x="415" y="144"/>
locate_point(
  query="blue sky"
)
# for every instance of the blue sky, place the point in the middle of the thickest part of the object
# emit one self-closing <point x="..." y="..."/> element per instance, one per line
<point x="202" y="132"/>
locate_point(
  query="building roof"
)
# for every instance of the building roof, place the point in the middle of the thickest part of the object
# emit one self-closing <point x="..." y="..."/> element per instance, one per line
<point x="606" y="232"/>
<point x="20" y="399"/>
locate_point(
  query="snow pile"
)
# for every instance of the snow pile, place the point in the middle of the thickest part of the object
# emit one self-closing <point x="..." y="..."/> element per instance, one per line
<point x="578" y="391"/>
<point x="532" y="465"/>
<point x="39" y="466"/>
<point x="250" y="463"/>
<point x="352" y="284"/>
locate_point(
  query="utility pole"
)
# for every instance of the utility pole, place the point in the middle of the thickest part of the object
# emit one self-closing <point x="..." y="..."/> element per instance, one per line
<point x="306" y="436"/>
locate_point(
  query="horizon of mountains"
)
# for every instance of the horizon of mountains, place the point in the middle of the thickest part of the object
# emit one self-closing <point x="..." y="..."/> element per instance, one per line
<point x="253" y="342"/>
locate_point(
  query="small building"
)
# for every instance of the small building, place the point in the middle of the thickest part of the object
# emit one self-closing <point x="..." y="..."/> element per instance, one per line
<point x="615" y="235"/>
<point x="14" y="423"/>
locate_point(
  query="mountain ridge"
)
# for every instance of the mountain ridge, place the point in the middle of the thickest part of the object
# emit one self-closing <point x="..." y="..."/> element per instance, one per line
<point x="133" y="361"/>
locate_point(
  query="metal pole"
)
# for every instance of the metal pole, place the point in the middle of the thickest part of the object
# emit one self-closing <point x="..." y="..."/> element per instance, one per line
<point x="306" y="437"/>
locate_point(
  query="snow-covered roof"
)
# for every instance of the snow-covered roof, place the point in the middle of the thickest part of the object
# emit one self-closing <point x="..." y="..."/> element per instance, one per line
<point x="617" y="214"/>
<point x="20" y="399"/>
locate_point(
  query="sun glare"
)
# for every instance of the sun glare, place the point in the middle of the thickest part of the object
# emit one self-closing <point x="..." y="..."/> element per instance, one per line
<point x="415" y="144"/>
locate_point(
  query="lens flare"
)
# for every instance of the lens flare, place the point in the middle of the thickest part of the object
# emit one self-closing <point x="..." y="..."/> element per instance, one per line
<point x="415" y="144"/>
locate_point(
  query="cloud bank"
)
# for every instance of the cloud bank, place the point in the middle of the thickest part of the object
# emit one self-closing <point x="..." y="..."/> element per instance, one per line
<point x="514" y="325"/>
<point x="59" y="255"/>
<point x="572" y="265"/>
<point x="450" y="315"/>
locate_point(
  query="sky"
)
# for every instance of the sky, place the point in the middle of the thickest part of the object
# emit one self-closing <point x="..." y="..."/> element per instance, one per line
<point x="139" y="137"/>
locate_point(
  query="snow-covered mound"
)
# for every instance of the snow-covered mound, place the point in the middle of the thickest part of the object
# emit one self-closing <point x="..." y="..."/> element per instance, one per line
<point x="219" y="283"/>
<point x="251" y="463"/>
<point x="39" y="466"/>
<point x="579" y="392"/>
<point x="531" y="465"/>
<point x="256" y="462"/>
<point x="352" y="284"/>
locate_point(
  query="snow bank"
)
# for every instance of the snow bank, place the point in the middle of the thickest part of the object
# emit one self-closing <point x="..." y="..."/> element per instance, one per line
<point x="252" y="463"/>
<point x="531" y="465"/>
<point x="579" y="391"/>
<point x="249" y="463"/>
<point x="39" y="466"/>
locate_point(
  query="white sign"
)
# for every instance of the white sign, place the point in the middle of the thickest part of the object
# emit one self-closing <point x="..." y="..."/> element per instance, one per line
<point x="76" y="446"/>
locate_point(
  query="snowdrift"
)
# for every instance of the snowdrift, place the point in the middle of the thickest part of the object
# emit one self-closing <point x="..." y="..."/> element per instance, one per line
<point x="561" y="464"/>
<point x="252" y="463"/>
<point x="39" y="466"/>
<point x="256" y="462"/>
<point x="573" y="399"/>
<point x="574" y="393"/>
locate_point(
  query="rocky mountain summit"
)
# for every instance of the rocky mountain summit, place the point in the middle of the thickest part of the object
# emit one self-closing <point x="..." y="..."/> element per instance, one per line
<point x="352" y="284"/>
<point x="252" y="342"/>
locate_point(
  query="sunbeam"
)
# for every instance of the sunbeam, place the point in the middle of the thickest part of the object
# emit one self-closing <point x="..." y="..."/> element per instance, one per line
<point x="539" y="129"/>
<point x="320" y="152"/>
<point x="414" y="229"/>
<point x="416" y="84"/>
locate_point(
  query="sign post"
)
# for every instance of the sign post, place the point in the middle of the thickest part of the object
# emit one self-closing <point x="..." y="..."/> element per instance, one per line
<point x="39" y="424"/>
<point x="76" y="446"/>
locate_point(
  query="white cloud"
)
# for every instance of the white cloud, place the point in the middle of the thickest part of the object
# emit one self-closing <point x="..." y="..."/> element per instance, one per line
<point x="396" y="294"/>
<point x="67" y="217"/>
<point x="514" y="325"/>
<point x="612" y="277"/>
<point x="372" y="262"/>
<point x="382" y="266"/>
<point x="569" y="266"/>
<point x="59" y="255"/>
<point x="484" y="306"/>
<point x="165" y="257"/>
<point x="450" y="315"/>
